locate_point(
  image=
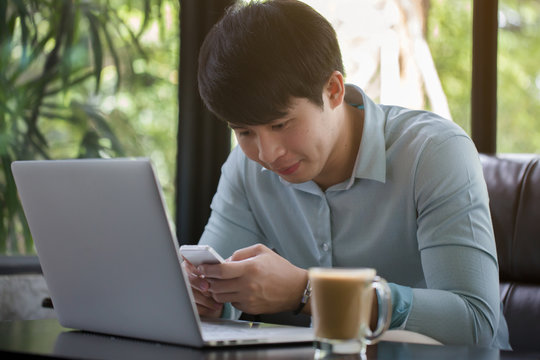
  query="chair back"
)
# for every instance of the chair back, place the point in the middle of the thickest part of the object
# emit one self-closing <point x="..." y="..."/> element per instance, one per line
<point x="513" y="183"/>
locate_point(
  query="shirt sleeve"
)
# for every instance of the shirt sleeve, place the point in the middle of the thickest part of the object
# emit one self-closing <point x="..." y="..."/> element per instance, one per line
<point x="455" y="238"/>
<point x="231" y="225"/>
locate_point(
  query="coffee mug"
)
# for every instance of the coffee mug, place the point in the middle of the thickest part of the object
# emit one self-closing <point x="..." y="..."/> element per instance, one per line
<point x="341" y="303"/>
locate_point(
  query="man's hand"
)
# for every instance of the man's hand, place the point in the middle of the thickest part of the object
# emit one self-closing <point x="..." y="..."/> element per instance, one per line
<point x="255" y="280"/>
<point x="206" y="305"/>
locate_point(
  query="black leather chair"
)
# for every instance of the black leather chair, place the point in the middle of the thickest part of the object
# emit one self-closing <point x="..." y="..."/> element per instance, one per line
<point x="513" y="183"/>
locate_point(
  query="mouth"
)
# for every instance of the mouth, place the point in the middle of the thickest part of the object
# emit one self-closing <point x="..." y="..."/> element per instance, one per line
<point x="288" y="170"/>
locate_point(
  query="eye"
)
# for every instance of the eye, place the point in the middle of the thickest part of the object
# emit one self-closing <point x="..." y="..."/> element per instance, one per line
<point x="280" y="125"/>
<point x="242" y="132"/>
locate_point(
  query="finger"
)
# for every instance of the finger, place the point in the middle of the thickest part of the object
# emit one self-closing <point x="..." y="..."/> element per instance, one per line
<point x="220" y="286"/>
<point x="190" y="268"/>
<point x="206" y="300"/>
<point x="199" y="283"/>
<point x="187" y="263"/>
<point x="229" y="270"/>
<point x="249" y="252"/>
<point x="228" y="298"/>
<point x="209" y="312"/>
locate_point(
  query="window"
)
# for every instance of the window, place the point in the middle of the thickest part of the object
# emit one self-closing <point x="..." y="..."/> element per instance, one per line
<point x="383" y="44"/>
<point x="518" y="87"/>
<point x="85" y="79"/>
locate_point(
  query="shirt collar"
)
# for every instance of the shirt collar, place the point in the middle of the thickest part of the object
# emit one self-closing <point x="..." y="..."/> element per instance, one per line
<point x="371" y="159"/>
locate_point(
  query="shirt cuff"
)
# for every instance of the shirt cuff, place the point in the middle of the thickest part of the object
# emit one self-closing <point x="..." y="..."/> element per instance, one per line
<point x="230" y="312"/>
<point x="402" y="298"/>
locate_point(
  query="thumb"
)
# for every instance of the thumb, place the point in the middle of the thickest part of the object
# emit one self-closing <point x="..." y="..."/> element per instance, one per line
<point x="249" y="252"/>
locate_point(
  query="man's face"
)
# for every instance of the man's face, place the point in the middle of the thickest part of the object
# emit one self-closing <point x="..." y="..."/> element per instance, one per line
<point x="297" y="147"/>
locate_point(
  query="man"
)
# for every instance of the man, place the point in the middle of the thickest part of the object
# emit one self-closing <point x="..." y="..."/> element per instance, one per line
<point x="325" y="177"/>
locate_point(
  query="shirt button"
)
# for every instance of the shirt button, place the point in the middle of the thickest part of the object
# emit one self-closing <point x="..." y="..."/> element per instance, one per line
<point x="325" y="247"/>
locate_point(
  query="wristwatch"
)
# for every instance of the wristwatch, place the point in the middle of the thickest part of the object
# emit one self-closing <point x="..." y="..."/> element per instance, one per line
<point x="305" y="298"/>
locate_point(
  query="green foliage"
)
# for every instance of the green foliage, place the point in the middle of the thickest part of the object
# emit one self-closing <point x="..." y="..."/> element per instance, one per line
<point x="518" y="78"/>
<point x="84" y="79"/>
<point x="518" y="83"/>
<point x="450" y="39"/>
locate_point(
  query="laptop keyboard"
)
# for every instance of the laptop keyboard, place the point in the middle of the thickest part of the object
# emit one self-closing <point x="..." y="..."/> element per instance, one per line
<point x="245" y="331"/>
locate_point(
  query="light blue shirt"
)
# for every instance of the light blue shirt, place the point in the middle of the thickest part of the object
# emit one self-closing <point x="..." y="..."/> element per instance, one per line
<point x="415" y="209"/>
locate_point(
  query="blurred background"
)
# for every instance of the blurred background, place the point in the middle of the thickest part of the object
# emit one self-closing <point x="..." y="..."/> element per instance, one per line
<point x="100" y="78"/>
<point x="85" y="79"/>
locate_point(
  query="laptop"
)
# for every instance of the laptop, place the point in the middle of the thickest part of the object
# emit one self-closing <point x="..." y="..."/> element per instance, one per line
<point x="110" y="257"/>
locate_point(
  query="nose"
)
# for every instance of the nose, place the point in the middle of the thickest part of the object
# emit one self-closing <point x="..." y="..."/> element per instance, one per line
<point x="270" y="147"/>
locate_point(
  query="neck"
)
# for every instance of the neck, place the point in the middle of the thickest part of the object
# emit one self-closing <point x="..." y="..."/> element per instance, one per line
<point x="340" y="164"/>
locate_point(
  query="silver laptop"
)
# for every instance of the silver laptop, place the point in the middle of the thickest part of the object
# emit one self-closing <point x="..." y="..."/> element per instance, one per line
<point x="110" y="257"/>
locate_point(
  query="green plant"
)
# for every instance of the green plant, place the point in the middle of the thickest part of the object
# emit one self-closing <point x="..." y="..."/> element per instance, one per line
<point x="57" y="61"/>
<point x="518" y="72"/>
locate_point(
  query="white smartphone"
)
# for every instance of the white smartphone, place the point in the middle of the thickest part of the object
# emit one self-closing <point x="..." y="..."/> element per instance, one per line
<point x="200" y="254"/>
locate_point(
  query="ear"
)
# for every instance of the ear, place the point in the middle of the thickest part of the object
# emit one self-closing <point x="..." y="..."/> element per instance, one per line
<point x="335" y="89"/>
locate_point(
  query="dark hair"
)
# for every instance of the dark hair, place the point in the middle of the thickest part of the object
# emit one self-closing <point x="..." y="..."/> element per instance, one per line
<point x="260" y="55"/>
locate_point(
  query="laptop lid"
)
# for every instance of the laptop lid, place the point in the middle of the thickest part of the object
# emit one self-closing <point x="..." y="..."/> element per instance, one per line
<point x="108" y="252"/>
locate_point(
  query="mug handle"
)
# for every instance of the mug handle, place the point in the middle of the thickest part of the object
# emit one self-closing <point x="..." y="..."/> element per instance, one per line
<point x="385" y="309"/>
